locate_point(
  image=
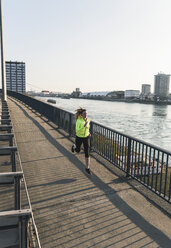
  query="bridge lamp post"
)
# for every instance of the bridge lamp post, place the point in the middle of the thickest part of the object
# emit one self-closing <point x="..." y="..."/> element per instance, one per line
<point x="3" y="74"/>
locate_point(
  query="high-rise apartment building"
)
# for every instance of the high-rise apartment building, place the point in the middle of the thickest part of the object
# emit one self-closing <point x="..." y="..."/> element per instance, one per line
<point x="161" y="85"/>
<point x="15" y="76"/>
<point x="146" y="89"/>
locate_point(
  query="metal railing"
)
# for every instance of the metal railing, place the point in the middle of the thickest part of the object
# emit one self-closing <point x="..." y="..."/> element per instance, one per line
<point x="148" y="164"/>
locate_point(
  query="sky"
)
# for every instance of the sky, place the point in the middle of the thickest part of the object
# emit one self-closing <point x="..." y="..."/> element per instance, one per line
<point x="94" y="45"/>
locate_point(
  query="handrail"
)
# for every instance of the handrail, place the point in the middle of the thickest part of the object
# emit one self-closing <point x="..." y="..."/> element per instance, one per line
<point x="133" y="138"/>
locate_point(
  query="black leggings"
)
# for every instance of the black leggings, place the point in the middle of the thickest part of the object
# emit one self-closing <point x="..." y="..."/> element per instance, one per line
<point x="85" y="141"/>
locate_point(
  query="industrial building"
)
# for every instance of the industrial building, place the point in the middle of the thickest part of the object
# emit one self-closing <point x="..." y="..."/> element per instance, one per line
<point x="15" y="76"/>
<point x="132" y="94"/>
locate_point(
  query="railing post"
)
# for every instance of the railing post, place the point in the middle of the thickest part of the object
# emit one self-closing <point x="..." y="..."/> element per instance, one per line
<point x="91" y="136"/>
<point x="17" y="193"/>
<point x="128" y="157"/>
<point x="10" y="141"/>
<point x="13" y="161"/>
<point x="24" y="224"/>
<point x="70" y="124"/>
<point x="58" y="118"/>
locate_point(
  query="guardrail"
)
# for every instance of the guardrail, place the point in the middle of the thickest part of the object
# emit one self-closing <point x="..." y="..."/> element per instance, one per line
<point x="148" y="164"/>
<point x="17" y="227"/>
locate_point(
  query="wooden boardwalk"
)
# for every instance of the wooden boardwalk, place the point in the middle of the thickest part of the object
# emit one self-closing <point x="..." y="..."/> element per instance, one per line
<point x="75" y="210"/>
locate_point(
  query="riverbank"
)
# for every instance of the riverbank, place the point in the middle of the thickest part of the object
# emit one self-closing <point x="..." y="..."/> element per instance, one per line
<point x="101" y="98"/>
<point x="128" y="101"/>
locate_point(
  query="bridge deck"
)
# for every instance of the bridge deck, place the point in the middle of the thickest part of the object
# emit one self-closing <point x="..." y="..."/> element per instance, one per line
<point x="73" y="209"/>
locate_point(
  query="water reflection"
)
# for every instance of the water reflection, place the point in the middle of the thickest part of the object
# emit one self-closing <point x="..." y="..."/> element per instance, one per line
<point x="160" y="110"/>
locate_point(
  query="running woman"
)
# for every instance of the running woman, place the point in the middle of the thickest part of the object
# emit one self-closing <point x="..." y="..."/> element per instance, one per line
<point x="82" y="136"/>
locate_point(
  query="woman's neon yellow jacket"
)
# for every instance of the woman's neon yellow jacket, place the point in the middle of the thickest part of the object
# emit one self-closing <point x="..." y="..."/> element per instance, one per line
<point x="82" y="131"/>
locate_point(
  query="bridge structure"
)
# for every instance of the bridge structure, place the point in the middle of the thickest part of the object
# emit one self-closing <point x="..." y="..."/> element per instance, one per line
<point x="48" y="200"/>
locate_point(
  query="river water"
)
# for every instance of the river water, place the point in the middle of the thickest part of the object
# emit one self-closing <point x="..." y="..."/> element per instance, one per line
<point x="150" y="123"/>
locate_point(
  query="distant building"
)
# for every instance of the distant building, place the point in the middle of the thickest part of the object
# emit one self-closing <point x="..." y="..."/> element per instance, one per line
<point x="145" y="92"/>
<point x="116" y="94"/>
<point x="44" y="92"/>
<point x="77" y="93"/>
<point x="15" y="76"/>
<point x="161" y="85"/>
<point x="32" y="93"/>
<point x="146" y="89"/>
<point x="132" y="94"/>
<point x="97" y="93"/>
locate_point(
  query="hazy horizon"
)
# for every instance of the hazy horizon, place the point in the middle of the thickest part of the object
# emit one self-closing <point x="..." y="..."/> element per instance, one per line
<point x="94" y="45"/>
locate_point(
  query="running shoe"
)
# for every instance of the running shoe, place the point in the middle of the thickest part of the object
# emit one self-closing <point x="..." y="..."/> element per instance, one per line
<point x="88" y="171"/>
<point x="73" y="148"/>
